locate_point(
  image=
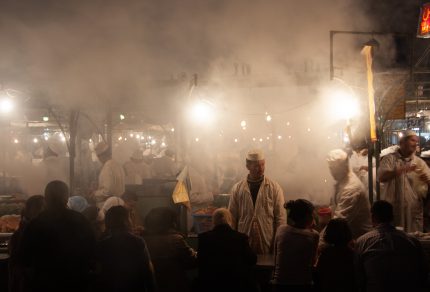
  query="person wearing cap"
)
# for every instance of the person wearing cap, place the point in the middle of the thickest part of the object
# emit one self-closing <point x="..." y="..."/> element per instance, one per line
<point x="405" y="177"/>
<point x="136" y="169"/>
<point x="350" y="200"/>
<point x="257" y="205"/>
<point x="165" y="166"/>
<point x="111" y="177"/>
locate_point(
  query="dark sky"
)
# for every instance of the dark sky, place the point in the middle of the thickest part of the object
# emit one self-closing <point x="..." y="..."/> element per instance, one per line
<point x="70" y="50"/>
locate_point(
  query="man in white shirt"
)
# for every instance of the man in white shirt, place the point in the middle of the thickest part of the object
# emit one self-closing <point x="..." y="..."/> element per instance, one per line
<point x="136" y="169"/>
<point x="111" y="177"/>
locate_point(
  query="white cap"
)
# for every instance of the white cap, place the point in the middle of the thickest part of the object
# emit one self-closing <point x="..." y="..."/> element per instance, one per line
<point x="255" y="155"/>
<point x="137" y="154"/>
<point x="101" y="148"/>
<point x="407" y="133"/>
<point x="336" y="156"/>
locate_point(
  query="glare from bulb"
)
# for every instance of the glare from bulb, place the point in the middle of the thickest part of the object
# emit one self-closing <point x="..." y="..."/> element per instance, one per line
<point x="202" y="113"/>
<point x="6" y="105"/>
<point x="131" y="135"/>
<point x="197" y="139"/>
<point x="16" y="141"/>
<point x="243" y="124"/>
<point x="163" y="144"/>
<point x="279" y="137"/>
<point x="121" y="117"/>
<point x="153" y="142"/>
<point x="235" y="140"/>
<point x="172" y="129"/>
<point x="268" y="118"/>
<point x="253" y="139"/>
<point x="119" y="138"/>
<point x="35" y="140"/>
<point x="261" y="139"/>
<point x="138" y="136"/>
<point x="45" y="119"/>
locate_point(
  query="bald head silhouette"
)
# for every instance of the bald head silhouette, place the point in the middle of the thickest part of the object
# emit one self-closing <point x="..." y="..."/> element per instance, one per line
<point x="56" y="195"/>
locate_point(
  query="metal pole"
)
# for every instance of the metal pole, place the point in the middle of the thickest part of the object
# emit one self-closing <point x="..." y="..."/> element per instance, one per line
<point x="331" y="55"/>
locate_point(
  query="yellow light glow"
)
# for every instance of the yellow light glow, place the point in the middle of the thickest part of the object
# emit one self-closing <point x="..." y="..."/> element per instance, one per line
<point x="6" y="105"/>
<point x="202" y="113"/>
<point x="344" y="105"/>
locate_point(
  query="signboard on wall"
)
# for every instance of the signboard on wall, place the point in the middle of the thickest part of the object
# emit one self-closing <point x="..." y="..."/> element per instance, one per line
<point x="424" y="22"/>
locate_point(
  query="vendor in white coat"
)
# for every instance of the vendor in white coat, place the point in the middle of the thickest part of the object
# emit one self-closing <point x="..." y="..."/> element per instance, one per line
<point x="136" y="169"/>
<point x="111" y="177"/>
<point x="350" y="200"/>
<point x="359" y="165"/>
<point x="257" y="205"/>
<point x="406" y="178"/>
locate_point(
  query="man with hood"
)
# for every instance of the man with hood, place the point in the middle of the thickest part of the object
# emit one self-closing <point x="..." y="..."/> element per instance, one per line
<point x="350" y="200"/>
<point x="406" y="178"/>
<point x="111" y="177"/>
<point x="257" y="205"/>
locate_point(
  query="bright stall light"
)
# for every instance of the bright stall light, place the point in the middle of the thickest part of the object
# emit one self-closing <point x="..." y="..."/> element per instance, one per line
<point x="400" y="134"/>
<point x="131" y="135"/>
<point x="261" y="139"/>
<point x="153" y="142"/>
<point x="243" y="124"/>
<point x="344" y="105"/>
<point x="16" y="141"/>
<point x="35" y="140"/>
<point x="121" y="117"/>
<point x="163" y="144"/>
<point x="288" y="124"/>
<point x="268" y="118"/>
<point x="235" y="140"/>
<point x="6" y="105"/>
<point x="202" y="113"/>
<point x="45" y="119"/>
<point x="309" y="129"/>
<point x="138" y="136"/>
<point x="172" y="129"/>
<point x="279" y="137"/>
<point x="197" y="139"/>
<point x="253" y="139"/>
<point x="119" y="138"/>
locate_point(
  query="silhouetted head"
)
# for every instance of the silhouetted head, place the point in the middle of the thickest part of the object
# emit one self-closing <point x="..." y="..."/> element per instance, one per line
<point x="300" y="213"/>
<point x="117" y="219"/>
<point x="33" y="207"/>
<point x="382" y="212"/>
<point x="338" y="232"/>
<point x="160" y="220"/>
<point x="56" y="195"/>
<point x="222" y="216"/>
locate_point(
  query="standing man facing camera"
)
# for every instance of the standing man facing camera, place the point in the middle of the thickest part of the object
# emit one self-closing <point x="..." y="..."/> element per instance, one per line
<point x="257" y="205"/>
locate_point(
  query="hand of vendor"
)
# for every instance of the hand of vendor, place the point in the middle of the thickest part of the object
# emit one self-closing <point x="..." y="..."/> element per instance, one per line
<point x="425" y="178"/>
<point x="364" y="167"/>
<point x="404" y="169"/>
